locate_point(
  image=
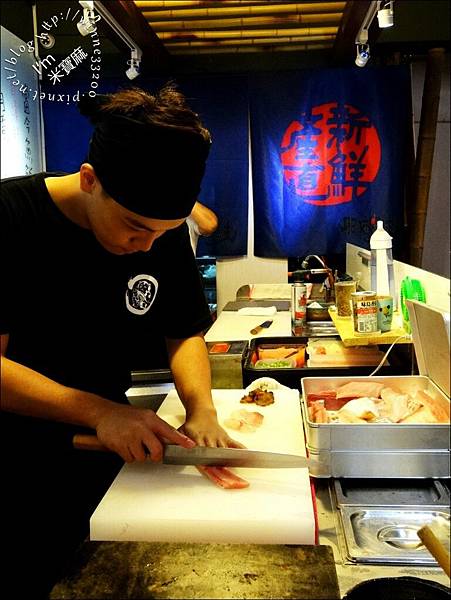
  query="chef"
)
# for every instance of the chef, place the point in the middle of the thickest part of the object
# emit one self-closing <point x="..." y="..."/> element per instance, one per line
<point x="97" y="269"/>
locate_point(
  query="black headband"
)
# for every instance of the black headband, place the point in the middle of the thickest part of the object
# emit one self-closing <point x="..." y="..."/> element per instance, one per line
<point x="152" y="170"/>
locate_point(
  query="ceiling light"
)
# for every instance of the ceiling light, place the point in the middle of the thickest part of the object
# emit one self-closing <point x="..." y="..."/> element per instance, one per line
<point x="384" y="11"/>
<point x="136" y="52"/>
<point x="47" y="40"/>
<point x="385" y="14"/>
<point x="363" y="55"/>
<point x="133" y="70"/>
<point x="87" y="23"/>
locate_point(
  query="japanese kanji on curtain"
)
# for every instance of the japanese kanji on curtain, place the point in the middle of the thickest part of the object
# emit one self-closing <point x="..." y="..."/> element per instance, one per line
<point x="328" y="157"/>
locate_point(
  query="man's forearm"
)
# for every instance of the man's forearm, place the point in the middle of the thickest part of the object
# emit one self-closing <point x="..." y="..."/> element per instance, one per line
<point x="27" y="392"/>
<point x="190" y="368"/>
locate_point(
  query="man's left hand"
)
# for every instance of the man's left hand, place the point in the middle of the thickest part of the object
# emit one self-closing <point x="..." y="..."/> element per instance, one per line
<point x="204" y="429"/>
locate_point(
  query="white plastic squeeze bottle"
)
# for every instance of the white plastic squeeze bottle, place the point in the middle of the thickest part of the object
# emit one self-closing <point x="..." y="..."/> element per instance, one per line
<point x="382" y="276"/>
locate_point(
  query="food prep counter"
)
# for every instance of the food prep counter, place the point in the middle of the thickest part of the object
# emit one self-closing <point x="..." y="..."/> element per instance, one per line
<point x="330" y="569"/>
<point x="121" y="570"/>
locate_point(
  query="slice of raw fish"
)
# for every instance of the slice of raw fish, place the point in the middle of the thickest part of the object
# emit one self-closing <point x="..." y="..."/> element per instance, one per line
<point x="362" y="408"/>
<point x="434" y="410"/>
<point x="394" y="405"/>
<point x="329" y="397"/>
<point x="346" y="416"/>
<point x="318" y="412"/>
<point x="244" y="421"/>
<point x="223" y="477"/>
<point x="321" y="415"/>
<point x="250" y="417"/>
<point x="360" y="389"/>
<point x="239" y="425"/>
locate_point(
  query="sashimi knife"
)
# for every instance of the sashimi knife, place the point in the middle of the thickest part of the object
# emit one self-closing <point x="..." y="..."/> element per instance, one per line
<point x="212" y="457"/>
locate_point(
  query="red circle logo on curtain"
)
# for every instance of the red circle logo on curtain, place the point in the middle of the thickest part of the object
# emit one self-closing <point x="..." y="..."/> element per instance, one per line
<point x="330" y="155"/>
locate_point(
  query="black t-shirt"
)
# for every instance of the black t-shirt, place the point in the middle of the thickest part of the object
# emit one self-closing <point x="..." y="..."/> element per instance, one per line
<point x="79" y="314"/>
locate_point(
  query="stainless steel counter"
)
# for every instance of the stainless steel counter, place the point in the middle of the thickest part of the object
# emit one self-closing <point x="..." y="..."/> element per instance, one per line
<point x="350" y="574"/>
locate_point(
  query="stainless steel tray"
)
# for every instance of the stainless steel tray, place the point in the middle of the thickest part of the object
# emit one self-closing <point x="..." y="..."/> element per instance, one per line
<point x="380" y="523"/>
<point x="375" y="449"/>
<point x="393" y="464"/>
<point x="374" y="436"/>
<point x="390" y="536"/>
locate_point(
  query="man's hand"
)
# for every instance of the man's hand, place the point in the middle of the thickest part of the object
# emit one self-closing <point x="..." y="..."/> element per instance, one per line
<point x="203" y="427"/>
<point x="134" y="433"/>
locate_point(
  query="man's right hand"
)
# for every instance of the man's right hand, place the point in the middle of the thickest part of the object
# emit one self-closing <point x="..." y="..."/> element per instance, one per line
<point x="135" y="433"/>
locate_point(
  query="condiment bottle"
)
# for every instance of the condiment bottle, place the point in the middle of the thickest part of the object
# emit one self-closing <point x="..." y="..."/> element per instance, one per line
<point x="382" y="277"/>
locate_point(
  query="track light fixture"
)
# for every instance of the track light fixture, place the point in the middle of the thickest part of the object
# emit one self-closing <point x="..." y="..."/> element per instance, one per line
<point x="87" y="24"/>
<point x="136" y="52"/>
<point x="363" y="55"/>
<point x="385" y="19"/>
<point x="134" y="63"/>
<point x="385" y="14"/>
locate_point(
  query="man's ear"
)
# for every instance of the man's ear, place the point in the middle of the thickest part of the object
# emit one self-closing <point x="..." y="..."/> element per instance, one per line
<point x="88" y="178"/>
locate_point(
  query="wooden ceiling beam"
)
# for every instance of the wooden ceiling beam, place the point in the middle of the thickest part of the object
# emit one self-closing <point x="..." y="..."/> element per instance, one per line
<point x="249" y="42"/>
<point x="236" y="34"/>
<point x="254" y="49"/>
<point x="202" y="4"/>
<point x="266" y="8"/>
<point x="323" y="19"/>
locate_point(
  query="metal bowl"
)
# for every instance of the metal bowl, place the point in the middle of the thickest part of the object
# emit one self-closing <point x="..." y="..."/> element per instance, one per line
<point x="319" y="314"/>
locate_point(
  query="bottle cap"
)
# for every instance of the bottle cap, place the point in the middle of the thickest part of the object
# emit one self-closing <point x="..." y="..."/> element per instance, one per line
<point x="380" y="238"/>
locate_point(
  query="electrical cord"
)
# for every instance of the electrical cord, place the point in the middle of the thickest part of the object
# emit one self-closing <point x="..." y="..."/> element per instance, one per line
<point x="405" y="335"/>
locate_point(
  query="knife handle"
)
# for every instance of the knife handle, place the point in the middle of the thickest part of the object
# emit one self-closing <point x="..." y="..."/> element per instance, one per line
<point x="256" y="330"/>
<point x="85" y="441"/>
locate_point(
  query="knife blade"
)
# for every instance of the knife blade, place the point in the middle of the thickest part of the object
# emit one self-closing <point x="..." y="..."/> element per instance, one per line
<point x="210" y="457"/>
<point x="231" y="457"/>
<point x="263" y="325"/>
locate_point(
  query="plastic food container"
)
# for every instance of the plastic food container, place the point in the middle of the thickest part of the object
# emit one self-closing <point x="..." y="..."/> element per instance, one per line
<point x="321" y="366"/>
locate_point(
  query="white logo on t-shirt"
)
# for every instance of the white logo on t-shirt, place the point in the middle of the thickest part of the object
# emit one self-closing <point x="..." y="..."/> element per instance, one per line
<point x="141" y="293"/>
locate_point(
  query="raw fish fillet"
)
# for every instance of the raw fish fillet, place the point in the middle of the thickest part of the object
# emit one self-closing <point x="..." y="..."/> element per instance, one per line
<point x="223" y="478"/>
<point x="244" y="421"/>
<point x="434" y="410"/>
<point x="318" y="412"/>
<point x="329" y="397"/>
<point x="298" y="354"/>
<point x="346" y="416"/>
<point x="396" y="406"/>
<point x="252" y="418"/>
<point x="359" y="389"/>
<point x="362" y="408"/>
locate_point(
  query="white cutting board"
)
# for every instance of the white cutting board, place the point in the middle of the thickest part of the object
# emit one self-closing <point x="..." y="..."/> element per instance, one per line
<point x="166" y="503"/>
<point x="230" y="325"/>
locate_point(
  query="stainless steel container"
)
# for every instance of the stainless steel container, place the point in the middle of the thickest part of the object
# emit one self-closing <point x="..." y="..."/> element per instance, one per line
<point x="226" y="363"/>
<point x="388" y="450"/>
